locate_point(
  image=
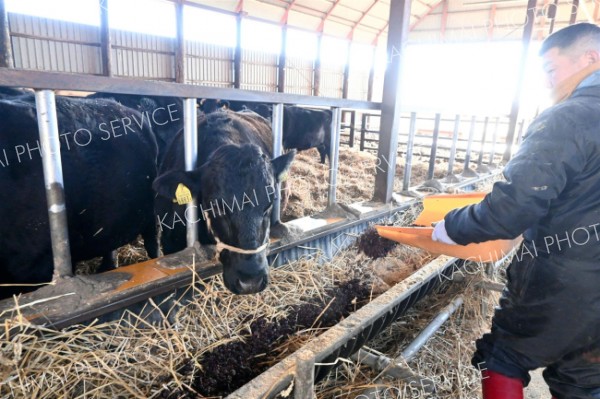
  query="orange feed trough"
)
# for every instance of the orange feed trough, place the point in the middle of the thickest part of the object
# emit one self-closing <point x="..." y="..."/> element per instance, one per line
<point x="435" y="207"/>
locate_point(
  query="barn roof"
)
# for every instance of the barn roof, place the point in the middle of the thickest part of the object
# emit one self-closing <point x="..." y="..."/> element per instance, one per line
<point x="431" y="21"/>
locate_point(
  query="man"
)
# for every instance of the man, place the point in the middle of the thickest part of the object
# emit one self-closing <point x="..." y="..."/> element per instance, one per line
<point x="549" y="313"/>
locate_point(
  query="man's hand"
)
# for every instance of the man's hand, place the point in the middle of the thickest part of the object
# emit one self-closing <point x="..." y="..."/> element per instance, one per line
<point x="440" y="234"/>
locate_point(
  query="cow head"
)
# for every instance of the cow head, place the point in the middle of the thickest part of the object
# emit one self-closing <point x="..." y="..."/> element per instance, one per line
<point x="235" y="189"/>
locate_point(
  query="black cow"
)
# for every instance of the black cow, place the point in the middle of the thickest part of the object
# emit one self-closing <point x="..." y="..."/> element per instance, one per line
<point x="108" y="166"/>
<point x="208" y="105"/>
<point x="234" y="184"/>
<point x="163" y="114"/>
<point x="303" y="128"/>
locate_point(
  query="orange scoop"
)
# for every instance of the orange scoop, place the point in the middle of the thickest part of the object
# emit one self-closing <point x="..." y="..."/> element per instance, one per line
<point x="435" y="208"/>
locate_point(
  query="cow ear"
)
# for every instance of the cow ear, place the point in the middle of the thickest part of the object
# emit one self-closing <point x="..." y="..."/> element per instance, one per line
<point x="282" y="164"/>
<point x="173" y="184"/>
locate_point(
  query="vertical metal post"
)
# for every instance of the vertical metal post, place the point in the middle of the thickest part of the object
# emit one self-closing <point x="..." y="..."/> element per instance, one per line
<point x="304" y="381"/>
<point x="409" y="151"/>
<point x="179" y="44"/>
<point x="552" y="16"/>
<point x="514" y="110"/>
<point x="483" y="136"/>
<point x="371" y="75"/>
<point x="469" y="143"/>
<point x="399" y="18"/>
<point x="352" y="127"/>
<point x="6" y="55"/>
<point x="237" y="53"/>
<point x="277" y="127"/>
<point x="453" y="147"/>
<point x="520" y="134"/>
<point x="281" y="60"/>
<point x="105" y="45"/>
<point x="363" y="131"/>
<point x="494" y="137"/>
<point x="317" y="67"/>
<point x="334" y="155"/>
<point x="346" y="78"/>
<point x="53" y="180"/>
<point x="190" y="140"/>
<point x="574" y="8"/>
<point x="434" y="145"/>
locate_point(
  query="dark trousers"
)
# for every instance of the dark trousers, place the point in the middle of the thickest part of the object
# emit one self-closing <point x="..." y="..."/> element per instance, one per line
<point x="548" y="316"/>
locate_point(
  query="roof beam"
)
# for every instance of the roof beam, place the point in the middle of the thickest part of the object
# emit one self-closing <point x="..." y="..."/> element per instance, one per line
<point x="240" y="6"/>
<point x="380" y="33"/>
<point x="492" y="21"/>
<point x="444" y="20"/>
<point x="322" y="24"/>
<point x="422" y="17"/>
<point x="286" y="14"/>
<point x="351" y="34"/>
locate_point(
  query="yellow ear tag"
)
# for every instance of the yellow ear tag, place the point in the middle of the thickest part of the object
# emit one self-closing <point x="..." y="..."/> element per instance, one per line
<point x="283" y="177"/>
<point x="182" y="195"/>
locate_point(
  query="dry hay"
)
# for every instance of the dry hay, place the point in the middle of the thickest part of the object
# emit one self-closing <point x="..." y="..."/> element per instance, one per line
<point x="135" y="359"/>
<point x="309" y="180"/>
<point x="445" y="359"/>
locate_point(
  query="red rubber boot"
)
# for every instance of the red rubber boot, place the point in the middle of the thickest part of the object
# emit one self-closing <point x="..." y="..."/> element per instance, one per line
<point x="498" y="386"/>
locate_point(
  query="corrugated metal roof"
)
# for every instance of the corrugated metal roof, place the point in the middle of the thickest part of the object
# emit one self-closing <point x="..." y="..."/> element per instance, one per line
<point x="366" y="21"/>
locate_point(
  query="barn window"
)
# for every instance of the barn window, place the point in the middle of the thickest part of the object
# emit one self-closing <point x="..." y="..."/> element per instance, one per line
<point x="155" y="17"/>
<point x="209" y="26"/>
<point x="260" y="36"/>
<point x="80" y="11"/>
<point x="301" y="44"/>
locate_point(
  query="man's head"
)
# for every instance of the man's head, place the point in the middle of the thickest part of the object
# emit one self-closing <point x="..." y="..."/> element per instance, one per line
<point x="570" y="50"/>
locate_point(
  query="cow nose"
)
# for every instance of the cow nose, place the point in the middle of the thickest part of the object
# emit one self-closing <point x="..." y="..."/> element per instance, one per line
<point x="251" y="285"/>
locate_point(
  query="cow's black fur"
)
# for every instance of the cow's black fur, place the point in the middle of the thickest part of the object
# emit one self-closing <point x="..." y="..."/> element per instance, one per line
<point x="108" y="176"/>
<point x="234" y="164"/>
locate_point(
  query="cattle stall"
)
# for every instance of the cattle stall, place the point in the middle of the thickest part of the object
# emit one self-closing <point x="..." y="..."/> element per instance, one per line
<point x="164" y="280"/>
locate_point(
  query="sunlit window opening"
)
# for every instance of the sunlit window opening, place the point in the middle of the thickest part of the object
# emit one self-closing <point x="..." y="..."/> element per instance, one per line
<point x="301" y="44"/>
<point x="209" y="26"/>
<point x="260" y="36"/>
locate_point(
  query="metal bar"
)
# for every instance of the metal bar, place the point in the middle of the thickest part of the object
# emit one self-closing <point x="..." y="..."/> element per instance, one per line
<point x="363" y="131"/>
<point x="352" y="127"/>
<point x="552" y="16"/>
<point x="53" y="180"/>
<point x="494" y="136"/>
<point x="399" y="18"/>
<point x="237" y="53"/>
<point x="574" y="9"/>
<point x="481" y="150"/>
<point x="277" y="127"/>
<point x="72" y="81"/>
<point x="6" y="53"/>
<point x="190" y="138"/>
<point x="434" y="145"/>
<point x="421" y="339"/>
<point x="105" y="45"/>
<point x="281" y="61"/>
<point x="179" y="45"/>
<point x="346" y="76"/>
<point x="316" y="86"/>
<point x="304" y="379"/>
<point x="409" y="151"/>
<point x="371" y="81"/>
<point x="334" y="155"/>
<point x="469" y="143"/>
<point x="453" y="148"/>
<point x="514" y="110"/>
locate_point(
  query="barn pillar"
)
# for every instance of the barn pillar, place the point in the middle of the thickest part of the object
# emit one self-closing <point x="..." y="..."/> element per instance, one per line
<point x="514" y="110"/>
<point x="317" y="67"/>
<point x="6" y="56"/>
<point x="277" y="127"/>
<point x="105" y="45"/>
<point x="179" y="44"/>
<point x="281" y="61"/>
<point x="346" y="80"/>
<point x="391" y="104"/>
<point x="53" y="180"/>
<point x="237" y="53"/>
<point x="190" y="142"/>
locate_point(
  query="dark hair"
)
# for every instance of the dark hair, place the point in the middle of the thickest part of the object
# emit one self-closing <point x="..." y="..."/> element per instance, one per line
<point x="570" y="35"/>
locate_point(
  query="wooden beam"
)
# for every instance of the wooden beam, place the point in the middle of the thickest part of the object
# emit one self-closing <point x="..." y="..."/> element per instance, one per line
<point x="286" y="14"/>
<point x="422" y="17"/>
<point x="346" y="78"/>
<point x="371" y="74"/>
<point x="179" y="45"/>
<point x="6" y="55"/>
<point x="364" y="14"/>
<point x="552" y="15"/>
<point x="376" y="40"/>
